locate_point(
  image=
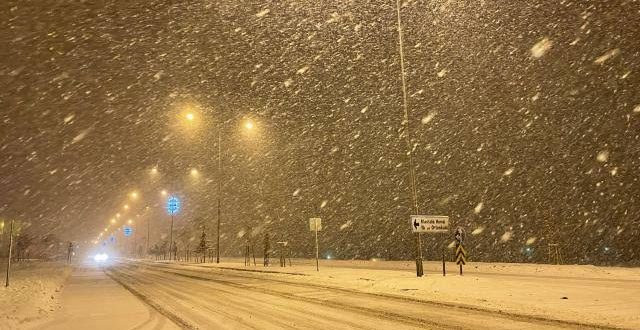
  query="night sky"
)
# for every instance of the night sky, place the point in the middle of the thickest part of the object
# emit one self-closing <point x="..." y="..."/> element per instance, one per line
<point x="524" y="117"/>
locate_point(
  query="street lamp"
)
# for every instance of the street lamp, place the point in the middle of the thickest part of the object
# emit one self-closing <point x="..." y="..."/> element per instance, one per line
<point x="190" y="119"/>
<point x="134" y="195"/>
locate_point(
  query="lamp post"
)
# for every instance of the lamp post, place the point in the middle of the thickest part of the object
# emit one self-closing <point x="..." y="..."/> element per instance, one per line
<point x="407" y="136"/>
<point x="248" y="125"/>
<point x="219" y="192"/>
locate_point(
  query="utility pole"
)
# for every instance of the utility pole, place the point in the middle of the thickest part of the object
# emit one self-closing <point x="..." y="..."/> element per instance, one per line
<point x="6" y="283"/>
<point x="219" y="191"/>
<point x="407" y="136"/>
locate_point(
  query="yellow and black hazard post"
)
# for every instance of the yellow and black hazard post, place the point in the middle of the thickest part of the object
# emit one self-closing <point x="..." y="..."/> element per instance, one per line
<point x="461" y="256"/>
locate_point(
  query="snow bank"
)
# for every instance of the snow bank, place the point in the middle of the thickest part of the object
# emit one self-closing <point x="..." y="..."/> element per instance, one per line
<point x="32" y="294"/>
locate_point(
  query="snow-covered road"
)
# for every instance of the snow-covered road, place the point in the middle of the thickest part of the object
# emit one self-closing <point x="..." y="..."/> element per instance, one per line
<point x="228" y="299"/>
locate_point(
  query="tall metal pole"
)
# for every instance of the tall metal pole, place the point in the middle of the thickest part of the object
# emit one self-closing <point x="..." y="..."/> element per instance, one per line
<point x="407" y="135"/>
<point x="6" y="283"/>
<point x="219" y="192"/>
<point x="171" y="238"/>
<point x="135" y="247"/>
<point x="147" y="252"/>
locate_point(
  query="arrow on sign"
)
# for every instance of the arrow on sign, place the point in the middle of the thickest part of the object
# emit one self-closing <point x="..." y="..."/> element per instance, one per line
<point x="460" y="260"/>
<point x="461" y="255"/>
<point x="415" y="223"/>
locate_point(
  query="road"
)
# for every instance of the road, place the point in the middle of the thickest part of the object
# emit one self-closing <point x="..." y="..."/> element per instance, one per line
<point x="226" y="299"/>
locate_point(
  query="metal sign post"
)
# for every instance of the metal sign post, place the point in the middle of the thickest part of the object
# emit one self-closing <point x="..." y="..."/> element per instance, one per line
<point x="444" y="266"/>
<point x="427" y="224"/>
<point x="315" y="224"/>
<point x="461" y="254"/>
<point x="69" y="252"/>
<point x="173" y="207"/>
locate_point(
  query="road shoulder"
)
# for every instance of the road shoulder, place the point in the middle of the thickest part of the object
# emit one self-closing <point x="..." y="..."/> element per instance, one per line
<point x="92" y="300"/>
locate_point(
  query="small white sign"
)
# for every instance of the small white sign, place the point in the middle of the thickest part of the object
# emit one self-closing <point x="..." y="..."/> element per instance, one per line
<point x="429" y="223"/>
<point x="313" y="222"/>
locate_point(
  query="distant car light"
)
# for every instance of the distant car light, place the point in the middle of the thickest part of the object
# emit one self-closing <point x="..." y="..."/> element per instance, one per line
<point x="100" y="257"/>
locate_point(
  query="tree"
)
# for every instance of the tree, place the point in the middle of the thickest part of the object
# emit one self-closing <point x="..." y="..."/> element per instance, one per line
<point x="202" y="246"/>
<point x="23" y="242"/>
<point x="164" y="249"/>
<point x="267" y="249"/>
<point x="155" y="251"/>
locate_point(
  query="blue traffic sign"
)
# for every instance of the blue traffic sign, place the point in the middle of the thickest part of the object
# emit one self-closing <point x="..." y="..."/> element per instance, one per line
<point x="128" y="231"/>
<point x="173" y="205"/>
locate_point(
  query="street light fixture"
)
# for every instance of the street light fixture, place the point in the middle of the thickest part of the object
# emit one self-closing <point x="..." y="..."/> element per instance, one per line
<point x="189" y="119"/>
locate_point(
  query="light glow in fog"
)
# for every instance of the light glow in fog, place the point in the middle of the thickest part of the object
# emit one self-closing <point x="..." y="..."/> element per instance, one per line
<point x="100" y="257"/>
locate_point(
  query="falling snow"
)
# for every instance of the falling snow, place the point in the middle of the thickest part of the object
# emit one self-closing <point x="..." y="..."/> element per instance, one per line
<point x="478" y="208"/>
<point x="524" y="133"/>
<point x="541" y="47"/>
<point x="607" y="56"/>
<point x="603" y="156"/>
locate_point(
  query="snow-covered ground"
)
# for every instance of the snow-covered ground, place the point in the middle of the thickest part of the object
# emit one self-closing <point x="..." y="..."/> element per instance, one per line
<point x="578" y="293"/>
<point x="32" y="294"/>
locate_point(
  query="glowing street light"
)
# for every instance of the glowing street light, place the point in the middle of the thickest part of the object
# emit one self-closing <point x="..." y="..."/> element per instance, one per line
<point x="249" y="125"/>
<point x="154" y="171"/>
<point x="126" y="206"/>
<point x="163" y="192"/>
<point x="113" y="220"/>
<point x="117" y="215"/>
<point x="134" y="195"/>
<point x="190" y="116"/>
<point x="130" y="221"/>
<point x="194" y="172"/>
